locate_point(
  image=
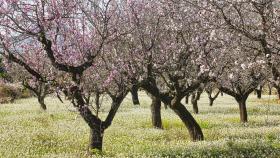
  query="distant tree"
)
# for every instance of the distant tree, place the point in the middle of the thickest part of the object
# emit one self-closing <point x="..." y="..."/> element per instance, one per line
<point x="195" y="96"/>
<point x="40" y="87"/>
<point x="212" y="92"/>
<point x="258" y="21"/>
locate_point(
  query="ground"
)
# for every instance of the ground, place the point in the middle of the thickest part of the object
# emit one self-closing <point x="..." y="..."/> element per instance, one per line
<point x="26" y="131"/>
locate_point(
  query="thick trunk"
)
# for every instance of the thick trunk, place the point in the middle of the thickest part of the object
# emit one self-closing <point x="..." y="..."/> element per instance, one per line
<point x="41" y="101"/>
<point x="156" y="114"/>
<point x="96" y="129"/>
<point x="222" y="94"/>
<point x="243" y="110"/>
<point x="192" y="126"/>
<point x="134" y="94"/>
<point x="95" y="124"/>
<point x="190" y="123"/>
<point x="194" y="103"/>
<point x="96" y="139"/>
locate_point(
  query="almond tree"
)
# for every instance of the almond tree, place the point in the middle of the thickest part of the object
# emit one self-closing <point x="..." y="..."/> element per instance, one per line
<point x="212" y="92"/>
<point x="258" y="21"/>
<point x="166" y="42"/>
<point x="237" y="63"/>
<point x="40" y="88"/>
<point x="239" y="70"/>
<point x="70" y="34"/>
<point x="195" y="96"/>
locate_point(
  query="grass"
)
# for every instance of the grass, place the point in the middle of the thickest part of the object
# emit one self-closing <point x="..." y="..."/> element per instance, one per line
<point x="25" y="131"/>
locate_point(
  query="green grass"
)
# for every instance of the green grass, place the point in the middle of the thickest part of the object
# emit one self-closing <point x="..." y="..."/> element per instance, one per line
<point x="26" y="131"/>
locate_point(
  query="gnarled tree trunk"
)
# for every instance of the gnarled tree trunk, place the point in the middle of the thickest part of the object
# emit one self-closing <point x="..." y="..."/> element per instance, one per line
<point x="95" y="124"/>
<point x="194" y="103"/>
<point x="96" y="138"/>
<point x="41" y="100"/>
<point x="40" y="91"/>
<point x="242" y="110"/>
<point x="195" y="98"/>
<point x="156" y="114"/>
<point x="190" y="123"/>
<point x="192" y="126"/>
<point x="212" y="99"/>
<point x="96" y="129"/>
<point x="134" y="94"/>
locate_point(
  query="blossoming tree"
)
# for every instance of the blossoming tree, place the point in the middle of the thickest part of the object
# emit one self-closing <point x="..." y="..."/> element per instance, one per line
<point x="70" y="34"/>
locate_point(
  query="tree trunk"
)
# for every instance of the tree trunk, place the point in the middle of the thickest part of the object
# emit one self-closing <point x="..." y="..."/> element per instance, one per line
<point x="243" y="110"/>
<point x="187" y="99"/>
<point x="156" y="114"/>
<point x="165" y="106"/>
<point x="194" y="103"/>
<point x="259" y="92"/>
<point x="269" y="89"/>
<point x="278" y="92"/>
<point x="211" y="101"/>
<point x="195" y="97"/>
<point x="134" y="94"/>
<point x="198" y="94"/>
<point x="190" y="123"/>
<point x="96" y="139"/>
<point x="41" y="101"/>
<point x="192" y="126"/>
<point x="95" y="124"/>
<point x="222" y="94"/>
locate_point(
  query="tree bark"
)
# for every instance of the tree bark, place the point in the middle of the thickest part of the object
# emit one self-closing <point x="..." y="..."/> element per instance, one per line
<point x="95" y="124"/>
<point x="194" y="103"/>
<point x="134" y="94"/>
<point x="269" y="89"/>
<point x="259" y="92"/>
<point x="40" y="91"/>
<point x="278" y="92"/>
<point x="242" y="110"/>
<point x="96" y="139"/>
<point x="211" y="101"/>
<point x="192" y="126"/>
<point x="190" y="123"/>
<point x="41" y="100"/>
<point x="156" y="112"/>
<point x="187" y="99"/>
<point x="195" y="98"/>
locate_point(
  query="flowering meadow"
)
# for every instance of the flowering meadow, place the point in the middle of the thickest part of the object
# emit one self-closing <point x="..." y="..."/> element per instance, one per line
<point x="27" y="131"/>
